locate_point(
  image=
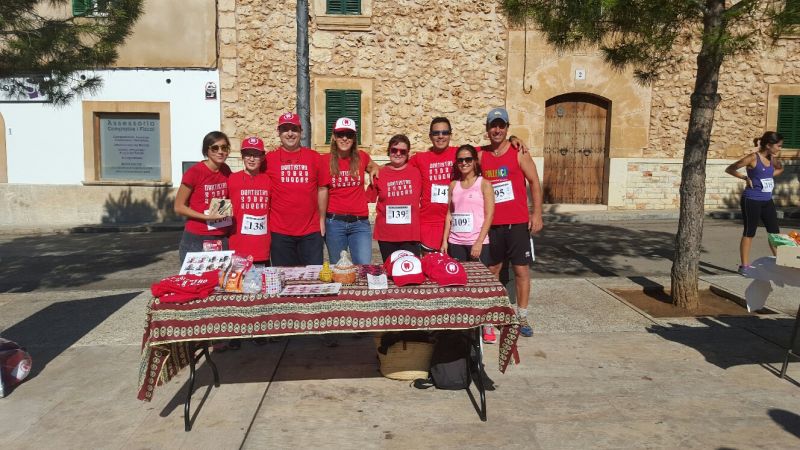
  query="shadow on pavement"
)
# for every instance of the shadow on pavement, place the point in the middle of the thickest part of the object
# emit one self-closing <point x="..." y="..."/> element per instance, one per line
<point x="788" y="420"/>
<point x="68" y="261"/>
<point x="731" y="341"/>
<point x="52" y="330"/>
<point x="574" y="248"/>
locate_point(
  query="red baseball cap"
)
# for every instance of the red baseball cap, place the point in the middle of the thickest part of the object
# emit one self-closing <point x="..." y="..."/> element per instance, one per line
<point x="448" y="272"/>
<point x="253" y="143"/>
<point x="432" y="260"/>
<point x="407" y="270"/>
<point x="289" y="117"/>
<point x="387" y="265"/>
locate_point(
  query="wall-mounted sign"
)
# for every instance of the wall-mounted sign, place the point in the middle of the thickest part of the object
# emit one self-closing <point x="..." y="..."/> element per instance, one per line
<point x="22" y="90"/>
<point x="130" y="147"/>
<point x="211" y="90"/>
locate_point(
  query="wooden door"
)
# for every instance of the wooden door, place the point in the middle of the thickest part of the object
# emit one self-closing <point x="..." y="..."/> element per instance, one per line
<point x="575" y="147"/>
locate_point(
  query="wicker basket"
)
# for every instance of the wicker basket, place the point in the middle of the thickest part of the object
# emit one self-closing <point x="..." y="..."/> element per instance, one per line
<point x="405" y="360"/>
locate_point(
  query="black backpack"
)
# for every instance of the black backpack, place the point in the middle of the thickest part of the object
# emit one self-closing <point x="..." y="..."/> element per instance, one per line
<point x="449" y="363"/>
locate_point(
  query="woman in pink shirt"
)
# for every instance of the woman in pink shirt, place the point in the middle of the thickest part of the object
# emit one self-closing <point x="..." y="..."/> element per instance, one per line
<point x="471" y="210"/>
<point x="469" y="216"/>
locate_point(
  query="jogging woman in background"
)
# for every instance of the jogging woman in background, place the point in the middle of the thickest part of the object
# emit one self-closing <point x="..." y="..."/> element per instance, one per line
<point x="762" y="167"/>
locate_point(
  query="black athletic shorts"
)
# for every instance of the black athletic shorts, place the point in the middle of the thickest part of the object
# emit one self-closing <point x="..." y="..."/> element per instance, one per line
<point x="752" y="210"/>
<point x="288" y="250"/>
<point x="510" y="242"/>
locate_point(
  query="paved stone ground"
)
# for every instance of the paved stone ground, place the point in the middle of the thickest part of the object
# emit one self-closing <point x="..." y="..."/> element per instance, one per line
<point x="597" y="373"/>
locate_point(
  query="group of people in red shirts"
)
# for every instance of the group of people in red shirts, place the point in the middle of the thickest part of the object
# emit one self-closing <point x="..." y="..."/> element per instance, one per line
<point x="468" y="202"/>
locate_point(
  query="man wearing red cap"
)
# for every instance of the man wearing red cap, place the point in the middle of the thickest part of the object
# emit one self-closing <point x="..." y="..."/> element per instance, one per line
<point x="299" y="197"/>
<point x="249" y="193"/>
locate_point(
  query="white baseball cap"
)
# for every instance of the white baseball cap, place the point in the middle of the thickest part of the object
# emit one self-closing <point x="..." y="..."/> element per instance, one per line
<point x="345" y="123"/>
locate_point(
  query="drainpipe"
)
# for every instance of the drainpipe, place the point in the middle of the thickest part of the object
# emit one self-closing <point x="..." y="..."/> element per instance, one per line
<point x="303" y="76"/>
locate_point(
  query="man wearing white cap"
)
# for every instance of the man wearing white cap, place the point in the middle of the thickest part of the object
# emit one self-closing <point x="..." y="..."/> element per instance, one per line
<point x="299" y="197"/>
<point x="512" y="225"/>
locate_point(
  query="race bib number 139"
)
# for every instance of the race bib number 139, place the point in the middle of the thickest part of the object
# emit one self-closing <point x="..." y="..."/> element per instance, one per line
<point x="398" y="214"/>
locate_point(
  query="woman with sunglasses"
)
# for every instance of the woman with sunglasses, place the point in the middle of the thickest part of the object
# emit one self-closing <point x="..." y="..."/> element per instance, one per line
<point x="203" y="182"/>
<point x="397" y="190"/>
<point x="469" y="216"/>
<point x="347" y="217"/>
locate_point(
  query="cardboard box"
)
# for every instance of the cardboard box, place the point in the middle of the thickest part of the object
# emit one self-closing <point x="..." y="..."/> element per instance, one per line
<point x="788" y="256"/>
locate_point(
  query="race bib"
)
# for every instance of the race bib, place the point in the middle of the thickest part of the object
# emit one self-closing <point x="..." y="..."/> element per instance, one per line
<point x="217" y="224"/>
<point x="767" y="184"/>
<point x="439" y="193"/>
<point x="254" y="225"/>
<point x="461" y="222"/>
<point x="503" y="192"/>
<point x="398" y="214"/>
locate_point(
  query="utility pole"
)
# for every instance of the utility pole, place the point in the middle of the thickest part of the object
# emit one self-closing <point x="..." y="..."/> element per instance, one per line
<point x="303" y="76"/>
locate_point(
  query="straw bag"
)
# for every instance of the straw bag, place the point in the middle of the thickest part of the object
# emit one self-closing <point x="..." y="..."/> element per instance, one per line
<point x="405" y="360"/>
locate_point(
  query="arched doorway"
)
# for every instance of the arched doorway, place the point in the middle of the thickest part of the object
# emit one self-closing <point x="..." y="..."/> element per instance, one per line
<point x="3" y="157"/>
<point x="576" y="137"/>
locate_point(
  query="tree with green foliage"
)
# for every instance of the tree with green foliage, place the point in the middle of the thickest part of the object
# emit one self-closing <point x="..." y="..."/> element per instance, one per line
<point x="48" y="42"/>
<point x="643" y="35"/>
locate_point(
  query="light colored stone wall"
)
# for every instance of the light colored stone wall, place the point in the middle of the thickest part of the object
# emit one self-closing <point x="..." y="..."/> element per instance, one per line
<point x="425" y="58"/>
<point x="54" y="207"/>
<point x="653" y="183"/>
<point x="744" y="86"/>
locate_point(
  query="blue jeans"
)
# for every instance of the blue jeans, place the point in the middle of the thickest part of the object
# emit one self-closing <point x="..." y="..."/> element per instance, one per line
<point x="355" y="236"/>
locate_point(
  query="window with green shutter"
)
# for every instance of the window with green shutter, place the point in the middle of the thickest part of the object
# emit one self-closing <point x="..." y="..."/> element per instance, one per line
<point x="344" y="7"/>
<point x="342" y="103"/>
<point x="789" y="120"/>
<point x="90" y="8"/>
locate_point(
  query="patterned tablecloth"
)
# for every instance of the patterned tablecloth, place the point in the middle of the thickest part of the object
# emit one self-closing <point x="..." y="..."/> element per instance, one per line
<point x="170" y="326"/>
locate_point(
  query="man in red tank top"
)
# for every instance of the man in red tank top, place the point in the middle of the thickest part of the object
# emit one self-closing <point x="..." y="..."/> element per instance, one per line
<point x="510" y="235"/>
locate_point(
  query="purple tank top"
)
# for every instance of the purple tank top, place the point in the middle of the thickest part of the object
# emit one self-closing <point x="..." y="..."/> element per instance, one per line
<point x="761" y="177"/>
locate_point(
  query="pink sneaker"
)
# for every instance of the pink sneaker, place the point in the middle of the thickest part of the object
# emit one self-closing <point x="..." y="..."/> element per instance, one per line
<point x="488" y="335"/>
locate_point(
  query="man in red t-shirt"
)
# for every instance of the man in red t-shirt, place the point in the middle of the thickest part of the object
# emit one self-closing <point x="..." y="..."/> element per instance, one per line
<point x="512" y="225"/>
<point x="436" y="171"/>
<point x="299" y="197"/>
<point x="249" y="193"/>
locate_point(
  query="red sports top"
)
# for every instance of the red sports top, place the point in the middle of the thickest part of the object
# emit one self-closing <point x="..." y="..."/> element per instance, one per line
<point x="399" y="190"/>
<point x="511" y="202"/>
<point x="250" y="230"/>
<point x="294" y="178"/>
<point x="436" y="170"/>
<point x="346" y="194"/>
<point x="205" y="185"/>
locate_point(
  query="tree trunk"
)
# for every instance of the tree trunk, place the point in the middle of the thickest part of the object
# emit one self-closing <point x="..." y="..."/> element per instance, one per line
<point x="693" y="177"/>
<point x="303" y="76"/>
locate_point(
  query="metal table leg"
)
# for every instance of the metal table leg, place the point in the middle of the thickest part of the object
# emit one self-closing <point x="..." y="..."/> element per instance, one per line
<point x="194" y="357"/>
<point x="790" y="351"/>
<point x="476" y="365"/>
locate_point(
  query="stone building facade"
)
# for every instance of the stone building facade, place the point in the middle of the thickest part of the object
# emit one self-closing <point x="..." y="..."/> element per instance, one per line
<point x="416" y="59"/>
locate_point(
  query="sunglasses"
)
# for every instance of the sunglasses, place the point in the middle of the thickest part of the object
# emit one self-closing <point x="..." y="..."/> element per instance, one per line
<point x="467" y="160"/>
<point x="398" y="151"/>
<point x="345" y="134"/>
<point x="286" y="128"/>
<point x="218" y="147"/>
<point x="441" y="133"/>
<point x="252" y="155"/>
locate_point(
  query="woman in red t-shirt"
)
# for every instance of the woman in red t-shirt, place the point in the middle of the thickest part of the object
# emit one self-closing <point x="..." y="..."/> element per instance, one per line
<point x="347" y="217"/>
<point x="203" y="182"/>
<point x="397" y="190"/>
